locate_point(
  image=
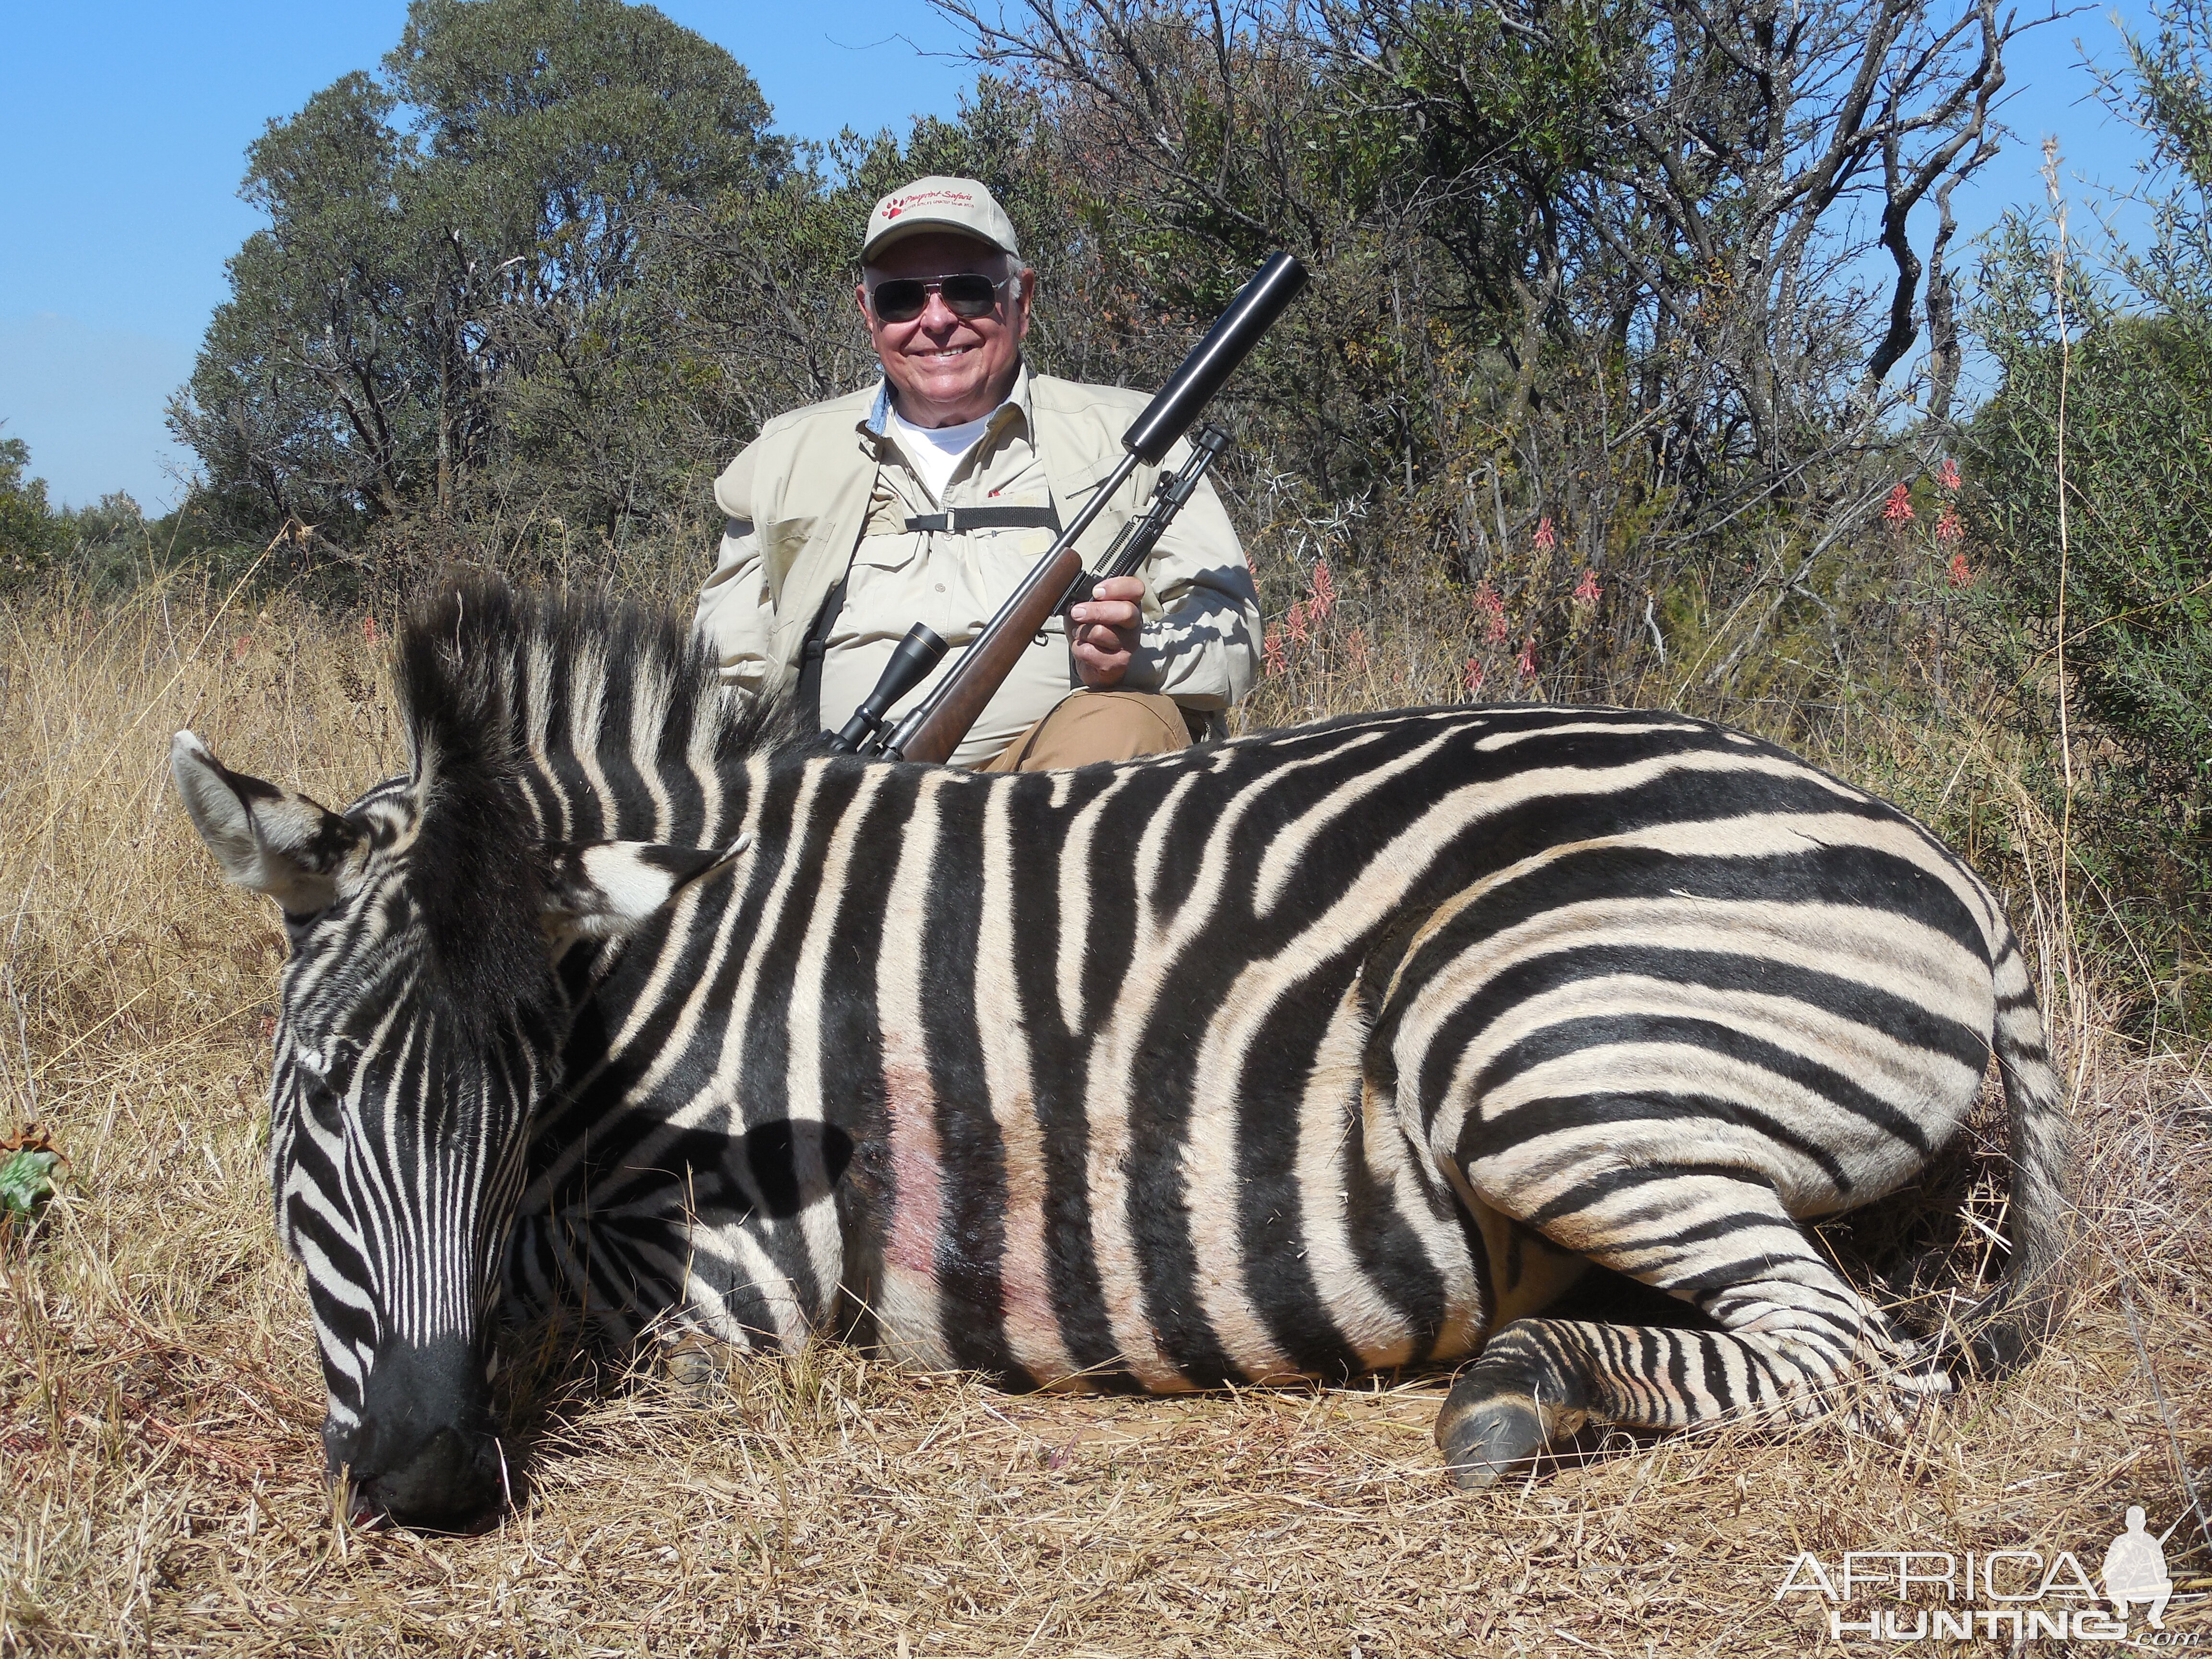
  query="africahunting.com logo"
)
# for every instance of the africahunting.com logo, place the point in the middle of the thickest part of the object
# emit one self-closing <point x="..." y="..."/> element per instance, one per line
<point x="2007" y="1595"/>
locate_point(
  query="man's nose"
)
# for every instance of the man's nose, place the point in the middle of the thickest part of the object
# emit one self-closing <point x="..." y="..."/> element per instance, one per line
<point x="937" y="316"/>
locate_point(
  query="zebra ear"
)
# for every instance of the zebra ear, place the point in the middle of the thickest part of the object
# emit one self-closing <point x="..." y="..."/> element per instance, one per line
<point x="265" y="838"/>
<point x="608" y="888"/>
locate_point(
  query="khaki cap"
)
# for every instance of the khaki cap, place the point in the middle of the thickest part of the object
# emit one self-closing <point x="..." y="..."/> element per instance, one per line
<point x="937" y="203"/>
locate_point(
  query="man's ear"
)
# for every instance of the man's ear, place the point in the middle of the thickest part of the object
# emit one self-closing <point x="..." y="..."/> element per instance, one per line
<point x="265" y="838"/>
<point x="608" y="888"/>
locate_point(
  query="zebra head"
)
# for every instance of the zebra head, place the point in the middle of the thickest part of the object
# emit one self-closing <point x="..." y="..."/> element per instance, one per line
<point x="421" y="1027"/>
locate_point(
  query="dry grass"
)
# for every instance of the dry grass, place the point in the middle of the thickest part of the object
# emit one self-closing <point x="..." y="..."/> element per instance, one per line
<point x="160" y="1467"/>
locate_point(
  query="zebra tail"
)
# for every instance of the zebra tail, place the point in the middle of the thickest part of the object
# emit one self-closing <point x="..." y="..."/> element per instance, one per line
<point x="2025" y="1306"/>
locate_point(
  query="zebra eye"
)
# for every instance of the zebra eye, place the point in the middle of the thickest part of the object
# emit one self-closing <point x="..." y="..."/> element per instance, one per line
<point x="323" y="1100"/>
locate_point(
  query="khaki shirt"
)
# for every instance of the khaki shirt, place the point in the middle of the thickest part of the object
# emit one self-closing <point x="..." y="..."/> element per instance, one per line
<point x="825" y="492"/>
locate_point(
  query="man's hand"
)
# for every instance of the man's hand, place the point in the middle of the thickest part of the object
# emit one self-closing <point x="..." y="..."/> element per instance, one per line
<point x="1105" y="631"/>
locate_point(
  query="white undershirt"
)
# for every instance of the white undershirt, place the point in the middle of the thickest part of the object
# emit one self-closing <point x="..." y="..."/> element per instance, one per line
<point x="937" y="452"/>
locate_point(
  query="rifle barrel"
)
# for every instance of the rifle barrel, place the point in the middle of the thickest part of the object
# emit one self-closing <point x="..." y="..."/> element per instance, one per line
<point x="1214" y="359"/>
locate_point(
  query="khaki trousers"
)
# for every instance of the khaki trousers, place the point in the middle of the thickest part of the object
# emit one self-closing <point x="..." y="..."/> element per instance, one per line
<point x="1095" y="725"/>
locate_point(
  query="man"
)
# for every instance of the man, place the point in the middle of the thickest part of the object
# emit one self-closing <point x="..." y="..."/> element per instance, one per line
<point x="927" y="497"/>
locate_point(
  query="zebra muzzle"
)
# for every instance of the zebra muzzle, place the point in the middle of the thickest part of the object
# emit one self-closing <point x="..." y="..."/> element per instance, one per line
<point x="425" y="1455"/>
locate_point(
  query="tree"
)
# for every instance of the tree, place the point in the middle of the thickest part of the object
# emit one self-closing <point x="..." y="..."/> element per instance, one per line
<point x="1590" y="295"/>
<point x="308" y="398"/>
<point x="29" y="530"/>
<point x="419" y="286"/>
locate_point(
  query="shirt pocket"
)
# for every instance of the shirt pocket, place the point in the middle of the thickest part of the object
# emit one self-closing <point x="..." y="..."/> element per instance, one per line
<point x="888" y="590"/>
<point x="888" y="552"/>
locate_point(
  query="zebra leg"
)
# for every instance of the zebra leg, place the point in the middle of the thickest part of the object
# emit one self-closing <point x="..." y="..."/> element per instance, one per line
<point x="1792" y="1329"/>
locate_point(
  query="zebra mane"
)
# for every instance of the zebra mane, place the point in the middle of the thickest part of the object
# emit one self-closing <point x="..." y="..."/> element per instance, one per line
<point x="501" y="695"/>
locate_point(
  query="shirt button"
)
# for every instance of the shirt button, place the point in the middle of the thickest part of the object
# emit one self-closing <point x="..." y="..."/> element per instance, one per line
<point x="940" y="587"/>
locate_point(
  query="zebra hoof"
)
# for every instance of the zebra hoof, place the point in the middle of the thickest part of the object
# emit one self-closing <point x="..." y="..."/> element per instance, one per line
<point x="692" y="1363"/>
<point x="1922" y="1389"/>
<point x="1890" y="1413"/>
<point x="1486" y="1443"/>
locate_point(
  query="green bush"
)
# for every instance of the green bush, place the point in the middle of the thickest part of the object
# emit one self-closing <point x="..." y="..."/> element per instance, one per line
<point x="2138" y="462"/>
<point x="2113" y="392"/>
<point x="30" y="534"/>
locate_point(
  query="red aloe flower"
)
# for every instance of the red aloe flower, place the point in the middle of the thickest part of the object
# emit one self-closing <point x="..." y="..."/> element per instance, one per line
<point x="1492" y="609"/>
<point x="1324" y="591"/>
<point x="1547" y="537"/>
<point x="1525" y="663"/>
<point x="1296" y="622"/>
<point x="1477" y="672"/>
<point x="1587" y="590"/>
<point x="1961" y="575"/>
<point x="1949" y="527"/>
<point x="369" y="628"/>
<point x="1948" y="475"/>
<point x="1899" y="508"/>
<point x="1271" y="650"/>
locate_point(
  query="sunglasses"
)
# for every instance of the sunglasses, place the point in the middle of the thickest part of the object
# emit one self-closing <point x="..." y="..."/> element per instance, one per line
<point x="905" y="298"/>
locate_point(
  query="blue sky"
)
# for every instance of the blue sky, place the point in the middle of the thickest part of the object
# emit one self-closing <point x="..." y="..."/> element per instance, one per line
<point x="125" y="126"/>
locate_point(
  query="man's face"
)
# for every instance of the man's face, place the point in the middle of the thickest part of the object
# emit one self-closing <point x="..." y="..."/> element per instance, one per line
<point x="946" y="369"/>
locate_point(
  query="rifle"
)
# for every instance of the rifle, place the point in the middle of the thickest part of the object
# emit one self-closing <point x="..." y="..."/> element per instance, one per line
<point x="933" y="728"/>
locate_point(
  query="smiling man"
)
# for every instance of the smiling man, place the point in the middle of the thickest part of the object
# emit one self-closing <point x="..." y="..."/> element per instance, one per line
<point x="927" y="497"/>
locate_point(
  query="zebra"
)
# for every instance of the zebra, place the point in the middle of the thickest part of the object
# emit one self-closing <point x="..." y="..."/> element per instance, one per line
<point x="1338" y="1049"/>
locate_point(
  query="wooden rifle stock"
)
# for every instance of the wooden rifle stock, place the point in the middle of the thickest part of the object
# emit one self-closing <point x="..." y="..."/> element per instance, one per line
<point x="938" y="727"/>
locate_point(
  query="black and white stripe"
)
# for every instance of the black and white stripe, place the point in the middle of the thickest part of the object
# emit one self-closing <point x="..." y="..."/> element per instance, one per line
<point x="1322" y="1051"/>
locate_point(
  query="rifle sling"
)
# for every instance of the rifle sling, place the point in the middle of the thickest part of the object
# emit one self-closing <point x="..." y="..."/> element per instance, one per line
<point x="958" y="520"/>
<point x="811" y="652"/>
